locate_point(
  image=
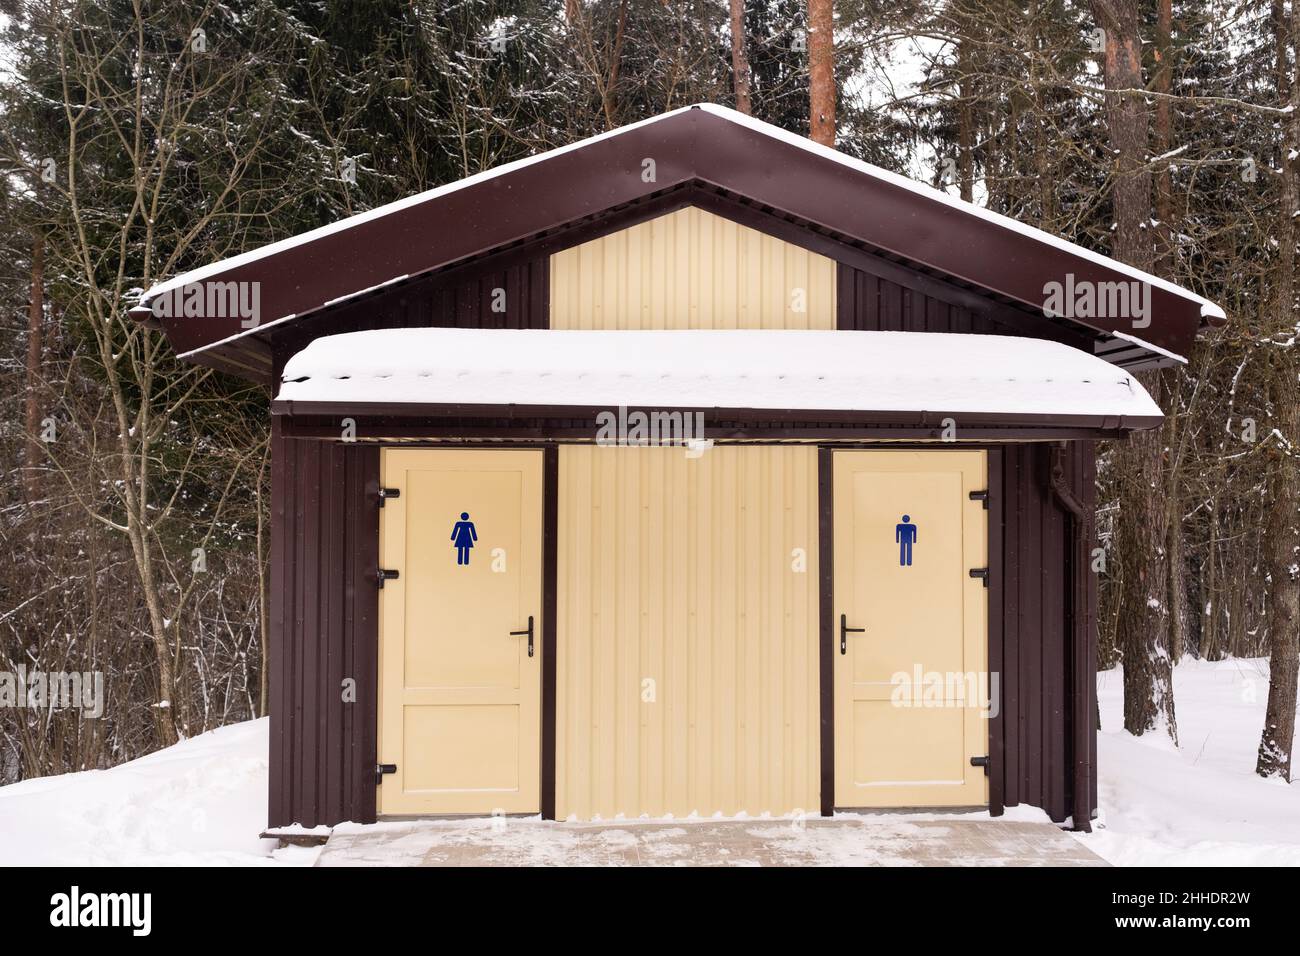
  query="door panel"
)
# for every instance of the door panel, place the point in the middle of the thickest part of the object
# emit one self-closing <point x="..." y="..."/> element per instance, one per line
<point x="460" y="696"/>
<point x="910" y="687"/>
<point x="687" y="632"/>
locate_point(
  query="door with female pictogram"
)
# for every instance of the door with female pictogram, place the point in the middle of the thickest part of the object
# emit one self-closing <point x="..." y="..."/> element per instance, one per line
<point x="460" y="639"/>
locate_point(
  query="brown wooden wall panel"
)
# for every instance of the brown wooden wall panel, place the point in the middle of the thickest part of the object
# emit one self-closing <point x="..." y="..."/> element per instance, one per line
<point x="1084" y="482"/>
<point x="870" y="303"/>
<point x="466" y="300"/>
<point x="1038" y="707"/>
<point x="324" y="614"/>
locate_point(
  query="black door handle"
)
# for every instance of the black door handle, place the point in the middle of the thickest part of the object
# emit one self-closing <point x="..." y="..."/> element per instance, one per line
<point x="529" y="632"/>
<point x="845" y="631"/>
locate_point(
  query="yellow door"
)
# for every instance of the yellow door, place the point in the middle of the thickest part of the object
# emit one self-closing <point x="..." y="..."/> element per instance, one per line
<point x="460" y="674"/>
<point x="910" y="628"/>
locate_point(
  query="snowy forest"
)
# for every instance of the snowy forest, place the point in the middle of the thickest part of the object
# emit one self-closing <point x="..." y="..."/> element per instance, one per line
<point x="142" y="138"/>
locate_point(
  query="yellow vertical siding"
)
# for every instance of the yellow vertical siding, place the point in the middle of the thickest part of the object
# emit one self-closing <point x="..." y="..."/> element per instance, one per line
<point x="691" y="270"/>
<point x="682" y="572"/>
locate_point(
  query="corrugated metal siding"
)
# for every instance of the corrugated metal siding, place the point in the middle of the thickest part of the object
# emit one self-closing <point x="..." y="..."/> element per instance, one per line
<point x="324" y="612"/>
<point x="869" y="303"/>
<point x="470" y="301"/>
<point x="680" y="571"/>
<point x="691" y="269"/>
<point x="1038" y="706"/>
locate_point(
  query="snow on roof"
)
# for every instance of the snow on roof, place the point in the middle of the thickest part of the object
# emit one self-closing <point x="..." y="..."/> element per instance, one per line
<point x="1208" y="309"/>
<point x="732" y="369"/>
<point x="1150" y="347"/>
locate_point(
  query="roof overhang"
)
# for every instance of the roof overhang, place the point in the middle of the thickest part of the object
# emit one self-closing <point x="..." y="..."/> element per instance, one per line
<point x="709" y="147"/>
<point x="834" y="379"/>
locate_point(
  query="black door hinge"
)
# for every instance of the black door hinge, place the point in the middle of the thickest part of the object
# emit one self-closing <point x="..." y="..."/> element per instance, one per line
<point x="981" y="573"/>
<point x="981" y="496"/>
<point x="980" y="762"/>
<point x="384" y="574"/>
<point x="383" y="768"/>
<point x="386" y="493"/>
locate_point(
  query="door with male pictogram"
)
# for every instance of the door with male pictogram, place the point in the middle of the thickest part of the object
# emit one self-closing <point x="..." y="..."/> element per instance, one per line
<point x="911" y="628"/>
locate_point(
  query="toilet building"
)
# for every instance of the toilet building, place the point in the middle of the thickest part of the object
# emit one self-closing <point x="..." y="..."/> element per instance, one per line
<point x="693" y="468"/>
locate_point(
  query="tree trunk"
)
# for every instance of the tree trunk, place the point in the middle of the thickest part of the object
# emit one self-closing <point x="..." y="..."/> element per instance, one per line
<point x="821" y="72"/>
<point x="965" y="137"/>
<point x="35" y="346"/>
<point x="992" y="156"/>
<point x="1177" y="576"/>
<point x="609" y="99"/>
<point x="1238" y="607"/>
<point x="167" y="703"/>
<point x="1163" y="83"/>
<point x="1143" y="626"/>
<point x="1128" y="123"/>
<point x="1043" y="172"/>
<point x="1283" y="547"/>
<point x="1210" y="597"/>
<point x="965" y="107"/>
<point x="739" y="58"/>
<point x="1173" y="438"/>
<point x="1284" y="593"/>
<point x="1142" y="629"/>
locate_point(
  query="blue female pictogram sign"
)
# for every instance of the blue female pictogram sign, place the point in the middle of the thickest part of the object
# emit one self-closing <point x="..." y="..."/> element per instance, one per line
<point x="905" y="537"/>
<point x="463" y="535"/>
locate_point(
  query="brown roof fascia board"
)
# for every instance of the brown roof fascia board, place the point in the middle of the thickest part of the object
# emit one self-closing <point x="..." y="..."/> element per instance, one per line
<point x="607" y="173"/>
<point x="931" y="421"/>
<point x="544" y="431"/>
<point x="937" y="236"/>
<point x="314" y="324"/>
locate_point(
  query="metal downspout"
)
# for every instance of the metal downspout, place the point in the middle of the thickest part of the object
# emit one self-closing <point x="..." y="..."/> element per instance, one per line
<point x="1080" y="628"/>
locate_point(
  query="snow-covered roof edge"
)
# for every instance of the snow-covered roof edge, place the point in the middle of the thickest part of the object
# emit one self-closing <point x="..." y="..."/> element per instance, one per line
<point x="765" y="369"/>
<point x="1208" y="309"/>
<point x="1150" y="346"/>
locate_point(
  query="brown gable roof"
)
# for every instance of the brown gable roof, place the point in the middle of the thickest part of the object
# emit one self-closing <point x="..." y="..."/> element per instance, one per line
<point x="697" y="147"/>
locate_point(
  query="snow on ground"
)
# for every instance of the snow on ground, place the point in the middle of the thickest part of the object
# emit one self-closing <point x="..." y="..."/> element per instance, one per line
<point x="847" y="840"/>
<point x="203" y="802"/>
<point x="1200" y="804"/>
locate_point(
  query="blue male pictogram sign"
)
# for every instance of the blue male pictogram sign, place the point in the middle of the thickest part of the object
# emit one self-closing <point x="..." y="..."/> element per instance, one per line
<point x="905" y="537"/>
<point x="463" y="535"/>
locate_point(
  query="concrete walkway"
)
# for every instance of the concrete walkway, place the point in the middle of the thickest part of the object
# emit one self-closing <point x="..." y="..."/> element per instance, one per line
<point x="842" y="841"/>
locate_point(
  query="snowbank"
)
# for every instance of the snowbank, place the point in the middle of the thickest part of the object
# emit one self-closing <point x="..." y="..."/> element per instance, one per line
<point x="1200" y="804"/>
<point x="201" y="802"/>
